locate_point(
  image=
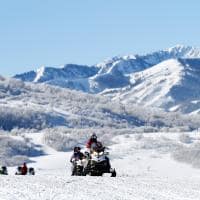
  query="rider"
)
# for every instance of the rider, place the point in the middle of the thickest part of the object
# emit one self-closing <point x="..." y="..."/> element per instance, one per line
<point x="24" y="169"/>
<point x="94" y="144"/>
<point x="77" y="155"/>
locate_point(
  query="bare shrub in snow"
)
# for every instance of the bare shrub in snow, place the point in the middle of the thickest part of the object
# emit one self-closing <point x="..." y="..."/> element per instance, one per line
<point x="64" y="139"/>
<point x="20" y="118"/>
<point x="28" y="106"/>
<point x="15" y="151"/>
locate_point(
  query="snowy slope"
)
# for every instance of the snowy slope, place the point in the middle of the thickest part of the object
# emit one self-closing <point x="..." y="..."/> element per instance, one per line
<point x="146" y="171"/>
<point x="154" y="82"/>
<point x="65" y="115"/>
<point x="173" y="85"/>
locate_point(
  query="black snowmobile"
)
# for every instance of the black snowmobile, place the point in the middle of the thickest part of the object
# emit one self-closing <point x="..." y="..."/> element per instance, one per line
<point x="31" y="171"/>
<point x="98" y="164"/>
<point x="18" y="171"/>
<point x="78" y="167"/>
<point x="3" y="170"/>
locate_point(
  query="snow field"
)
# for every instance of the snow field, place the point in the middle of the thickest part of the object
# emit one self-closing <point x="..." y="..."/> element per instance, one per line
<point x="102" y="188"/>
<point x="145" y="171"/>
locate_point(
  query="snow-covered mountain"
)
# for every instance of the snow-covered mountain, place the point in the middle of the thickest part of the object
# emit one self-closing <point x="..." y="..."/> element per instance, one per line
<point x="131" y="63"/>
<point x="69" y="76"/>
<point x="112" y="73"/>
<point x="172" y="84"/>
<point x="125" y="78"/>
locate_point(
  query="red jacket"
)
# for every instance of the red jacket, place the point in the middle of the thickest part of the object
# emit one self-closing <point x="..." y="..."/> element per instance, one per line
<point x="89" y="143"/>
<point x="24" y="170"/>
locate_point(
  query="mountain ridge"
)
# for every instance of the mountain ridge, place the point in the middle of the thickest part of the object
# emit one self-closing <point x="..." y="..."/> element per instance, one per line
<point x="115" y="75"/>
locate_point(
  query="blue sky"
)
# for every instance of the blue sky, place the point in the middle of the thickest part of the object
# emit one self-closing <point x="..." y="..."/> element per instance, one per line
<point x="54" y="32"/>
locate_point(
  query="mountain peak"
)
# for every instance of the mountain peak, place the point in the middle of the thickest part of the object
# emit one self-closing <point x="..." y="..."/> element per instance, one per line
<point x="111" y="74"/>
<point x="182" y="51"/>
<point x="179" y="47"/>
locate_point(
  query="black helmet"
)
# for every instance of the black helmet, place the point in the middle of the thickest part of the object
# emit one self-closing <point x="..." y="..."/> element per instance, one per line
<point x="93" y="136"/>
<point x="4" y="168"/>
<point x="77" y="149"/>
<point x="19" y="168"/>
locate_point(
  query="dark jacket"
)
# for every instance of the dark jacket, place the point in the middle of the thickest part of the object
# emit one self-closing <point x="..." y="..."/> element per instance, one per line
<point x="77" y="156"/>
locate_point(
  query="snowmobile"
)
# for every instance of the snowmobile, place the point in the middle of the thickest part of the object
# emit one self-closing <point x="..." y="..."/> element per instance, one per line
<point x="31" y="171"/>
<point x="3" y="170"/>
<point x="78" y="166"/>
<point x="18" y="171"/>
<point x="98" y="164"/>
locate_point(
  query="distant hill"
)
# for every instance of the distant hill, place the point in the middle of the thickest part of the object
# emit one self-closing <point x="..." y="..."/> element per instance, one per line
<point x="39" y="106"/>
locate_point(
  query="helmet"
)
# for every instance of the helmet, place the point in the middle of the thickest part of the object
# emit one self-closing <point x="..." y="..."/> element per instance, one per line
<point x="4" y="168"/>
<point x="94" y="136"/>
<point x="19" y="168"/>
<point x="76" y="149"/>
